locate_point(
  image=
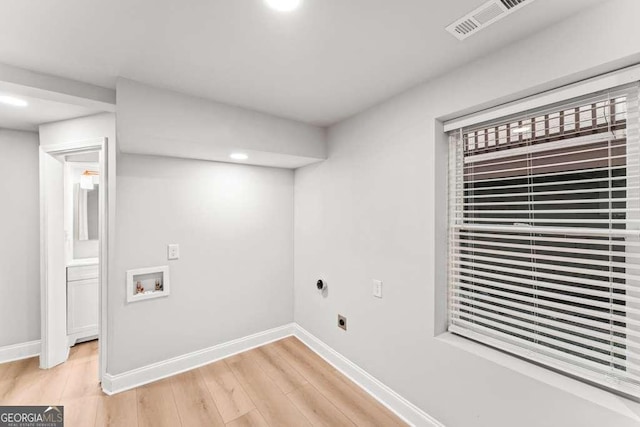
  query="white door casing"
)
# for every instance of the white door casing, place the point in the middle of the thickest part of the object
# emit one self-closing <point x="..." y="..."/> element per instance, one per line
<point x="53" y="294"/>
<point x="52" y="262"/>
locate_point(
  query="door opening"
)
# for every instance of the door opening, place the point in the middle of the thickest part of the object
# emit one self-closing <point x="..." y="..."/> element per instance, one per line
<point x="73" y="248"/>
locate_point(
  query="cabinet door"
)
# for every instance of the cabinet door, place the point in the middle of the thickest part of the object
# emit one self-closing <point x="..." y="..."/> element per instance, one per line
<point x="82" y="307"/>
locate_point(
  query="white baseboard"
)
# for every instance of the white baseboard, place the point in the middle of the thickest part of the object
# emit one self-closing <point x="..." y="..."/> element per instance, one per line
<point x="10" y="353"/>
<point x="383" y="394"/>
<point x="410" y="413"/>
<point x="112" y="384"/>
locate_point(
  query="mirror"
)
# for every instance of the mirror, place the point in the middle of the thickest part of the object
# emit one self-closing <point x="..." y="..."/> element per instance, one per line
<point x="85" y="225"/>
<point x="81" y="206"/>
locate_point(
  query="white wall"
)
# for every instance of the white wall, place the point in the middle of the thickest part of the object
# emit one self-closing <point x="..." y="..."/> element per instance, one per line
<point x="96" y="126"/>
<point x="234" y="225"/>
<point x="20" y="234"/>
<point x="161" y="122"/>
<point x="376" y="209"/>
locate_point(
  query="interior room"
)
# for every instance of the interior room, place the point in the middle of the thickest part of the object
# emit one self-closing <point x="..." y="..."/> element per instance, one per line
<point x="320" y="213"/>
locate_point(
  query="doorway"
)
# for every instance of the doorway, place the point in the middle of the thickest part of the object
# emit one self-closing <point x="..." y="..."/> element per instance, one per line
<point x="73" y="246"/>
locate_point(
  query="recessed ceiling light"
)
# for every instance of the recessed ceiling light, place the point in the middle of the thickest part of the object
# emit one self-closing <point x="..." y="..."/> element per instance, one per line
<point x="239" y="156"/>
<point x="284" y="5"/>
<point x="10" y="100"/>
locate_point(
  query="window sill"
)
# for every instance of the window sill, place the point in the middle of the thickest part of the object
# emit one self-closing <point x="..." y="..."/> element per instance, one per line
<point x="619" y="404"/>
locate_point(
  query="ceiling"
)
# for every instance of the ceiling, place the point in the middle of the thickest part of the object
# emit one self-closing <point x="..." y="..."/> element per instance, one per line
<point x="37" y="112"/>
<point x="319" y="64"/>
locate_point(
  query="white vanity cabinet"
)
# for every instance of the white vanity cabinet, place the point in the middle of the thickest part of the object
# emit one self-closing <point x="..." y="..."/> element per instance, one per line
<point x="82" y="303"/>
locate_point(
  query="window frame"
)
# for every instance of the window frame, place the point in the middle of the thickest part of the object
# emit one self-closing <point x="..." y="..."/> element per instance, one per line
<point x="557" y="96"/>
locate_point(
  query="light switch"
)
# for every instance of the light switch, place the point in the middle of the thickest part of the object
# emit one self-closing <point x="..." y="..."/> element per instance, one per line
<point x="173" y="251"/>
<point x="377" y="288"/>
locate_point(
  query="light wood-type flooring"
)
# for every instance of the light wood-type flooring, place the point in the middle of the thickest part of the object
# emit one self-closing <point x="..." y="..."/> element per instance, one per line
<point x="280" y="384"/>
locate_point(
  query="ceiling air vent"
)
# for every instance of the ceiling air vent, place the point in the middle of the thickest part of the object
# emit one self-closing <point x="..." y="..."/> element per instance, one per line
<point x="510" y="4"/>
<point x="466" y="27"/>
<point x="484" y="16"/>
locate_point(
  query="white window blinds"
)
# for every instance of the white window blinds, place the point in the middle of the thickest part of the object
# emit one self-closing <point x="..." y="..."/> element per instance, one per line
<point x="544" y="241"/>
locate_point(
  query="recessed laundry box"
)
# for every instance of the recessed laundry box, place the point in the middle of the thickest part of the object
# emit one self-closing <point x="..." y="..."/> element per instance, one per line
<point x="147" y="283"/>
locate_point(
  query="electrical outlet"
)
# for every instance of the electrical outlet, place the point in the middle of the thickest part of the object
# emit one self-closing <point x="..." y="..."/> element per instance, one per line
<point x="173" y="251"/>
<point x="342" y="322"/>
<point x="377" y="288"/>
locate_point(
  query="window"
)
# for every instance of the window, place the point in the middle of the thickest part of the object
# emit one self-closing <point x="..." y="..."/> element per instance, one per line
<point x="544" y="239"/>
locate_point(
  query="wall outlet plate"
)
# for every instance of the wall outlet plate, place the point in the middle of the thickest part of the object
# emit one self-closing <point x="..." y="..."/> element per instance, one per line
<point x="173" y="251"/>
<point x="342" y="322"/>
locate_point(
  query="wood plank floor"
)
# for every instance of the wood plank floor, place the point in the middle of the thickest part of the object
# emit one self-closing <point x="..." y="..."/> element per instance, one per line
<point x="280" y="384"/>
